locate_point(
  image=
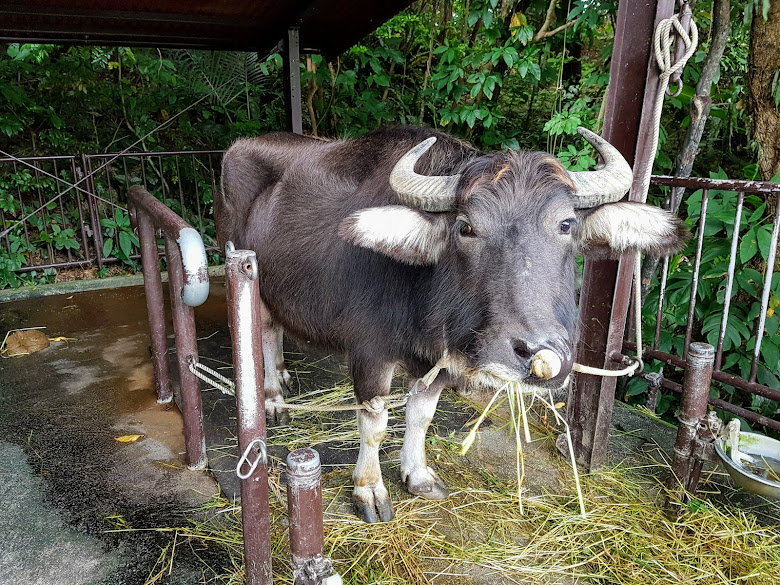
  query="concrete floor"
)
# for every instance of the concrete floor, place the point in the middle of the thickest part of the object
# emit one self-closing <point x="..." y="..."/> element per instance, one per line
<point x="65" y="481"/>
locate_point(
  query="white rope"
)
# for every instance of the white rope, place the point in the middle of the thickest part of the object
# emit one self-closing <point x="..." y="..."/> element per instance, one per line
<point x="220" y="382"/>
<point x="627" y="371"/>
<point x="663" y="40"/>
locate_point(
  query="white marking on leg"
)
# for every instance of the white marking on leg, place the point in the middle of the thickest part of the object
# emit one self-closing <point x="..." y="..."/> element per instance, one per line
<point x="274" y="398"/>
<point x="372" y="429"/>
<point x="419" y="478"/>
<point x="281" y="368"/>
<point x="367" y="477"/>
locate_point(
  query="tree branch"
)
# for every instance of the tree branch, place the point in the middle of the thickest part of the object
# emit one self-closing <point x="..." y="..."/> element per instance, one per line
<point x="555" y="31"/>
<point x="544" y="31"/>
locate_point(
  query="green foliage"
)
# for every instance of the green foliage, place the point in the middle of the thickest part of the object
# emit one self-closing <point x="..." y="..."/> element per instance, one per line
<point x="119" y="239"/>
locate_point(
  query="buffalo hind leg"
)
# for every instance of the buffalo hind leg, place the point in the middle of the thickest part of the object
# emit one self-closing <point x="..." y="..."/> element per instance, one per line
<point x="420" y="479"/>
<point x="370" y="496"/>
<point x="285" y="380"/>
<point x="275" y="411"/>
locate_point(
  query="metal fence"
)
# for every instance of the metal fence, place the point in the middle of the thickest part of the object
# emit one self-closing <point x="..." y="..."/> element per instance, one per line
<point x="737" y="278"/>
<point x="48" y="224"/>
<point x="71" y="211"/>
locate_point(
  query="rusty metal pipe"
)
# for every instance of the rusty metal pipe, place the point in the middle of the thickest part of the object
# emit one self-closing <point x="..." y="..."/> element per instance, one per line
<point x="304" y="505"/>
<point x="186" y="353"/>
<point x="304" y="508"/>
<point x="696" y="270"/>
<point x="748" y="415"/>
<point x="762" y="187"/>
<point x="693" y="409"/>
<point x="729" y="279"/>
<point x="244" y="319"/>
<point x="770" y="266"/>
<point x="723" y="377"/>
<point x="155" y="308"/>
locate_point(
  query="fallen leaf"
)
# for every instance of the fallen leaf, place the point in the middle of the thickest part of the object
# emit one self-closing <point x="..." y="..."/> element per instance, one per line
<point x="128" y="438"/>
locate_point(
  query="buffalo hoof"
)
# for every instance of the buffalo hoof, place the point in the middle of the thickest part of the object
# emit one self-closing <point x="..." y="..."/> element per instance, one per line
<point x="426" y="484"/>
<point x="276" y="413"/>
<point x="372" y="505"/>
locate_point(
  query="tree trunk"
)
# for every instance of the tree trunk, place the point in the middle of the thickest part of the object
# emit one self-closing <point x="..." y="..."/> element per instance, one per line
<point x="763" y="64"/>
<point x="700" y="112"/>
<point x="572" y="68"/>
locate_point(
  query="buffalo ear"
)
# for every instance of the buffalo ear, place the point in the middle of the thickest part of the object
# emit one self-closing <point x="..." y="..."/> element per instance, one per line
<point x="402" y="233"/>
<point x="617" y="228"/>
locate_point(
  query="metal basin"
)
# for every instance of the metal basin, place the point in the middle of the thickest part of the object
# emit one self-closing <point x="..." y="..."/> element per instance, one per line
<point x="764" y="451"/>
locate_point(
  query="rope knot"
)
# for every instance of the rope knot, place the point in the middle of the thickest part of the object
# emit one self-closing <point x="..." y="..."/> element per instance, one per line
<point x="375" y="406"/>
<point x="666" y="32"/>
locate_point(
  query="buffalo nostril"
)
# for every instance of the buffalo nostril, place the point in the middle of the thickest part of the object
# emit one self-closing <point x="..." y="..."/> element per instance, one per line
<point x="523" y="350"/>
<point x="546" y="364"/>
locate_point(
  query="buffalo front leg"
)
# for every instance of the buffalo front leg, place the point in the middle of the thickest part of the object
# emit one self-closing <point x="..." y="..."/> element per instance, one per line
<point x="370" y="496"/>
<point x="275" y="411"/>
<point x="285" y="380"/>
<point x="372" y="381"/>
<point x="420" y="479"/>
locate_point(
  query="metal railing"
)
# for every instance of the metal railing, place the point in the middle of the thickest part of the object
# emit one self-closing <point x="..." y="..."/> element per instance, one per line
<point x="69" y="226"/>
<point x="188" y="285"/>
<point x="721" y="267"/>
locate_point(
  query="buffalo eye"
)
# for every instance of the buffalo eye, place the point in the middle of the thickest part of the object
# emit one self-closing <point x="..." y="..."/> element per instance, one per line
<point x="465" y="228"/>
<point x="566" y="225"/>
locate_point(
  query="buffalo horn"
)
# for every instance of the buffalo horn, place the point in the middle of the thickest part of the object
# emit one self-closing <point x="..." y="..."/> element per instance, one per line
<point x="607" y="184"/>
<point x="429" y="193"/>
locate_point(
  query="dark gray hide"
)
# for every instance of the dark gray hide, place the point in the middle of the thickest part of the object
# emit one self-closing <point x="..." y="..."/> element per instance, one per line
<point x="491" y="281"/>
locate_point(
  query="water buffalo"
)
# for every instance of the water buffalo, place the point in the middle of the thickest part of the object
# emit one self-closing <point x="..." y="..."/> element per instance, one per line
<point x="409" y="247"/>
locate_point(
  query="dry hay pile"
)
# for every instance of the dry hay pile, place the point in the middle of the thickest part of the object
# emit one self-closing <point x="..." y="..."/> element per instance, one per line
<point x="479" y="535"/>
<point x="23" y="342"/>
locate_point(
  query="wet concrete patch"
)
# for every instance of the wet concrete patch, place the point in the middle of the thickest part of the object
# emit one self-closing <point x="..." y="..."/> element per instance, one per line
<point x="63" y="409"/>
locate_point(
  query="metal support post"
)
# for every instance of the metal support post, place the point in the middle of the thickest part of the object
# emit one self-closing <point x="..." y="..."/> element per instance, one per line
<point x="606" y="284"/>
<point x="155" y="307"/>
<point x="304" y="508"/>
<point x="94" y="211"/>
<point x="688" y="453"/>
<point x="292" y="80"/>
<point x="186" y="353"/>
<point x="244" y="319"/>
